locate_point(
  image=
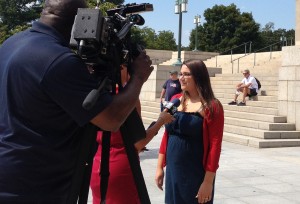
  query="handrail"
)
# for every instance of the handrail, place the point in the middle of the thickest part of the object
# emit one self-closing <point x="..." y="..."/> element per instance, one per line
<point x="236" y="47"/>
<point x="231" y="50"/>
<point x="269" y="46"/>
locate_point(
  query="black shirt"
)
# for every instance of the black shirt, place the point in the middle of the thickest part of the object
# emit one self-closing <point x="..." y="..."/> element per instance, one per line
<point x="43" y="84"/>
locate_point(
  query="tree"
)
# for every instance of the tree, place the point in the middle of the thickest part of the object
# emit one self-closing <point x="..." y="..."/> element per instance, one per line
<point x="149" y="37"/>
<point x="136" y="36"/>
<point x="16" y="16"/>
<point x="165" y="41"/>
<point x="225" y="27"/>
<point x="115" y="2"/>
<point x="103" y="6"/>
<point x="4" y="33"/>
<point x="18" y="12"/>
<point x="277" y="38"/>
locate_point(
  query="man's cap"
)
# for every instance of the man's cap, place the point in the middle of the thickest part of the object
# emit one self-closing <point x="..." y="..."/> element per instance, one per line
<point x="246" y="71"/>
<point x="173" y="72"/>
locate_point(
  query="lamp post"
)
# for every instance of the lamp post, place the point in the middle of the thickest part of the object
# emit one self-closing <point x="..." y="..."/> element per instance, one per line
<point x="180" y="7"/>
<point x="283" y="39"/>
<point x="196" y="21"/>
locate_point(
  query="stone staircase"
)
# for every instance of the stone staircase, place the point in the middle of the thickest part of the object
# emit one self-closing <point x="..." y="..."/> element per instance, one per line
<point x="258" y="124"/>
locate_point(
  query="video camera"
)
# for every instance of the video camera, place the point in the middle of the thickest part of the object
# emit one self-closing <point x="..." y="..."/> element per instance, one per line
<point x="105" y="40"/>
<point x="104" y="43"/>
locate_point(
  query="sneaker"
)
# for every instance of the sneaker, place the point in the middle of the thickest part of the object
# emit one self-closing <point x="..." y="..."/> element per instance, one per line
<point x="232" y="103"/>
<point x="241" y="104"/>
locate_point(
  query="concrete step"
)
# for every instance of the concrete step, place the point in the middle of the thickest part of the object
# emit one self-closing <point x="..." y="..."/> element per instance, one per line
<point x="259" y="124"/>
<point x="255" y="117"/>
<point x="231" y="91"/>
<point x="261" y="134"/>
<point x="229" y="97"/>
<point x="151" y="109"/>
<point x="151" y="115"/>
<point x="265" y="104"/>
<point x="260" y="143"/>
<point x="232" y="87"/>
<point x="250" y="109"/>
<point x="151" y="103"/>
<point x="262" y="104"/>
<point x="235" y="82"/>
<point x="239" y="77"/>
<point x="148" y="121"/>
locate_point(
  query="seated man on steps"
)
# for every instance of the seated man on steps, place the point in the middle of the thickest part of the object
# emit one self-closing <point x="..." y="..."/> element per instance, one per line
<point x="248" y="87"/>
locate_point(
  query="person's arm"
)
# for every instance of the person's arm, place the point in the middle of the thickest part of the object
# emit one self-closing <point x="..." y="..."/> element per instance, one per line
<point x="115" y="114"/>
<point x="247" y="85"/>
<point x="215" y="126"/>
<point x="163" y="118"/>
<point x="139" y="107"/>
<point x="239" y="85"/>
<point x="163" y="91"/>
<point x="161" y="161"/>
<point x="205" y="191"/>
<point x="159" y="176"/>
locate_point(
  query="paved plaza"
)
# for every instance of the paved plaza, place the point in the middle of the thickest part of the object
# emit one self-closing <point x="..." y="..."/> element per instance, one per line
<point x="246" y="175"/>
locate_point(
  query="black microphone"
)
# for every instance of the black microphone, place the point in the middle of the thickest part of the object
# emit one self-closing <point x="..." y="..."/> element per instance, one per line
<point x="171" y="107"/>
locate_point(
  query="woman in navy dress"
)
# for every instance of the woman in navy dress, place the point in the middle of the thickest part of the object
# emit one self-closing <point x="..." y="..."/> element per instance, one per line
<point x="191" y="145"/>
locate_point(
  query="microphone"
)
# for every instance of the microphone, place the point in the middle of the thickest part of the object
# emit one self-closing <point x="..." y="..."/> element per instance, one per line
<point x="171" y="107"/>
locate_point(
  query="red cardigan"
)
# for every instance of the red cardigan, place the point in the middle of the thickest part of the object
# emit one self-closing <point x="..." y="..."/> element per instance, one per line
<point x="213" y="126"/>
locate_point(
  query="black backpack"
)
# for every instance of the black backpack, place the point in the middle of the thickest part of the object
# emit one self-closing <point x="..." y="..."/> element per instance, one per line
<point x="258" y="83"/>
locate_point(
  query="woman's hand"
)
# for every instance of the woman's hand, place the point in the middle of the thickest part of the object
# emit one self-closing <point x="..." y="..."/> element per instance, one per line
<point x="159" y="178"/>
<point x="204" y="192"/>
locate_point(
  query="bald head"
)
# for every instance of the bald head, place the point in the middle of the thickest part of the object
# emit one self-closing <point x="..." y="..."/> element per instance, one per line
<point x="60" y="14"/>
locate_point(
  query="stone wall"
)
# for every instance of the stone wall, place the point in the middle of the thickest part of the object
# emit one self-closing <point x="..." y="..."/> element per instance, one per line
<point x="159" y="56"/>
<point x="289" y="85"/>
<point x="297" y="30"/>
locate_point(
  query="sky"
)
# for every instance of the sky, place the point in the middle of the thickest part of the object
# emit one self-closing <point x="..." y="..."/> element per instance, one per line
<point x="280" y="12"/>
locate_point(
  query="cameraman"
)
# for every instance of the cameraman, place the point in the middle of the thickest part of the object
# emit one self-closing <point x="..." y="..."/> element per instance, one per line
<point x="43" y="84"/>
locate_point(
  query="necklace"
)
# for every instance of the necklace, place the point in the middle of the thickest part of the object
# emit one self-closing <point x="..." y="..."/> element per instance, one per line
<point x="192" y="105"/>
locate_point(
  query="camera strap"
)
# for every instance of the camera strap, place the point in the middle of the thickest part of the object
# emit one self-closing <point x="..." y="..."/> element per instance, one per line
<point x="134" y="126"/>
<point x="104" y="169"/>
<point x="128" y="140"/>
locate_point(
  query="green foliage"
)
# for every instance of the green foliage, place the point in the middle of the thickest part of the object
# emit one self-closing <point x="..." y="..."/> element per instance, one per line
<point x="18" y="12"/>
<point x="4" y="33"/>
<point x="136" y="36"/>
<point x="103" y="6"/>
<point x="115" y="2"/>
<point x="148" y="38"/>
<point x="16" y="16"/>
<point x="225" y="27"/>
<point x="165" y="41"/>
<point x="279" y="37"/>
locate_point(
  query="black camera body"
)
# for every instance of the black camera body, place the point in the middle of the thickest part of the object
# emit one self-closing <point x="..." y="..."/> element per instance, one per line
<point x="104" y="42"/>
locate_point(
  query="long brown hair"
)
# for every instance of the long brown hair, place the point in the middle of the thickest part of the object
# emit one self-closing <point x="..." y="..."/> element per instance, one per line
<point x="201" y="77"/>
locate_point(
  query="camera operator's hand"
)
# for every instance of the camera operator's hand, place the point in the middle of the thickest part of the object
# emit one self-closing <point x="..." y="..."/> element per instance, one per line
<point x="114" y="115"/>
<point x="141" y="67"/>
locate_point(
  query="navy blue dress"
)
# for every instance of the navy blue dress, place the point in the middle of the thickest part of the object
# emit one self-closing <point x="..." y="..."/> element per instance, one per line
<point x="184" y="171"/>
